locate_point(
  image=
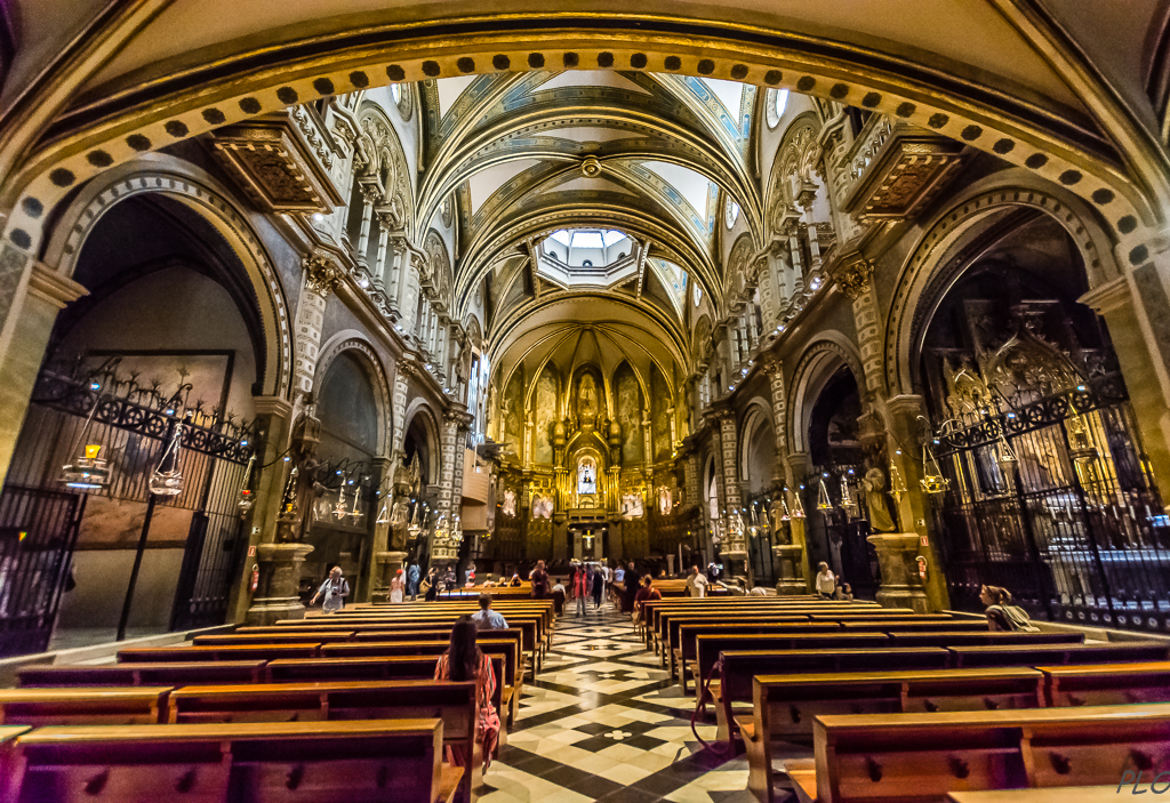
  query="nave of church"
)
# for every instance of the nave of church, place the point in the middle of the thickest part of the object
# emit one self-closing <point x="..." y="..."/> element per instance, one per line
<point x="847" y="323"/>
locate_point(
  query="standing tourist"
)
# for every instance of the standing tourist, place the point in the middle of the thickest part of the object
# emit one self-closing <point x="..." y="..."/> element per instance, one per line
<point x="598" y="587"/>
<point x="334" y="590"/>
<point x="430" y="585"/>
<point x="539" y="578"/>
<point x="412" y="579"/>
<point x="463" y="660"/>
<point x="397" y="587"/>
<point x="580" y="589"/>
<point x="696" y="583"/>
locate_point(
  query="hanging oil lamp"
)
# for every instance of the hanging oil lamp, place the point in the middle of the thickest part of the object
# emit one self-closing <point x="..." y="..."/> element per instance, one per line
<point x="848" y="503"/>
<point x="1007" y="461"/>
<point x="355" y="512"/>
<point x="88" y="471"/>
<point x="933" y="481"/>
<point x="246" y="497"/>
<point x="384" y="511"/>
<point x="340" y="511"/>
<point x="785" y="515"/>
<point x="167" y="478"/>
<point x="824" y="504"/>
<point x="897" y="482"/>
<point x="797" y="504"/>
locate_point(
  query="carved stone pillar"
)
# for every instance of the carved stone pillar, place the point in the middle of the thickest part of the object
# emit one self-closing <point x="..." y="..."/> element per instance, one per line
<point x="33" y="316"/>
<point x="799" y="465"/>
<point x="321" y="276"/>
<point x="905" y="444"/>
<point x="274" y="419"/>
<point x="774" y="369"/>
<point x="1138" y="354"/>
<point x="380" y="261"/>
<point x="729" y="451"/>
<point x="901" y="586"/>
<point x="856" y="280"/>
<point x="363" y="242"/>
<point x="280" y="575"/>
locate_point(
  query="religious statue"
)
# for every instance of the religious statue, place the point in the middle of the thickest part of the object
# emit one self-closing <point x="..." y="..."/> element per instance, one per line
<point x="877" y="501"/>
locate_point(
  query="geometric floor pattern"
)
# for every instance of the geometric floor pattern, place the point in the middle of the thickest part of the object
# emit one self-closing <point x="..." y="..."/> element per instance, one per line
<point x="604" y="722"/>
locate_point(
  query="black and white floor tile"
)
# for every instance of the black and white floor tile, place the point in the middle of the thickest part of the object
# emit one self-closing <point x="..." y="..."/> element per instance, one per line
<point x="603" y="721"/>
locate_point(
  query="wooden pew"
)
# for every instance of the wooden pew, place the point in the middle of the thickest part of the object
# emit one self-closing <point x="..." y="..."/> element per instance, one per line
<point x="362" y="760"/>
<point x="167" y="673"/>
<point x="735" y="688"/>
<point x="119" y="705"/>
<point x="1107" y="684"/>
<point x="1061" y="794"/>
<point x="784" y="706"/>
<point x="959" y="638"/>
<point x="232" y="652"/>
<point x="452" y="702"/>
<point x="1034" y="654"/>
<point x="659" y="616"/>
<point x="708" y="647"/>
<point x="923" y="757"/>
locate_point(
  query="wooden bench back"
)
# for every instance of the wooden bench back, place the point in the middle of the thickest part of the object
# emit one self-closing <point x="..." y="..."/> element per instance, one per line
<point x="225" y="652"/>
<point x="1033" y="654"/>
<point x="120" y="705"/>
<point x="1107" y="684"/>
<point x="169" y="673"/>
<point x="296" y="761"/>
<point x="924" y="756"/>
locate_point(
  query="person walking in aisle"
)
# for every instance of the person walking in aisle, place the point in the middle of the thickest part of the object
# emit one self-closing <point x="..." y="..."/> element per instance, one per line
<point x="598" y="587"/>
<point x="335" y="589"/>
<point x="580" y="589"/>
<point x="430" y="585"/>
<point x="397" y="587"/>
<point x="539" y="578"/>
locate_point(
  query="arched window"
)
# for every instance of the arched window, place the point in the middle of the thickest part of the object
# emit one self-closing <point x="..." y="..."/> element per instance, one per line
<point x="730" y="212"/>
<point x="774" y="105"/>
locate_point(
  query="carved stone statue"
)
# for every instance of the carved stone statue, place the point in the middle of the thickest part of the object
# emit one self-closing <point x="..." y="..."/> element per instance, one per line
<point x="877" y="501"/>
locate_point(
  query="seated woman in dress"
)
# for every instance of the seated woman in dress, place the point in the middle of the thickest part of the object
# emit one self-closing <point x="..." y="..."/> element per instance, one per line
<point x="463" y="660"/>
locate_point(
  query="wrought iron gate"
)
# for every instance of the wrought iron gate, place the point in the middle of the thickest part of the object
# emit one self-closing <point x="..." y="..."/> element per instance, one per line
<point x="1065" y="516"/>
<point x="130" y="422"/>
<point x="38" y="529"/>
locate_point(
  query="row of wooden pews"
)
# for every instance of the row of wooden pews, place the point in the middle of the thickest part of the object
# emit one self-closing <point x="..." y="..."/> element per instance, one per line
<point x="334" y="706"/>
<point x="910" y="707"/>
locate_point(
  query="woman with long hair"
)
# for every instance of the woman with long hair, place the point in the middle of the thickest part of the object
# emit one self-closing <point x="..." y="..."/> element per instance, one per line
<point x="464" y="660"/>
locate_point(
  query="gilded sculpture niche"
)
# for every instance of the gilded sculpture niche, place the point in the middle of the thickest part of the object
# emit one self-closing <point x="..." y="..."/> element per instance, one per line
<point x="512" y="413"/>
<point x="629" y="415"/>
<point x="660" y="412"/>
<point x="588" y="403"/>
<point x="544" y="413"/>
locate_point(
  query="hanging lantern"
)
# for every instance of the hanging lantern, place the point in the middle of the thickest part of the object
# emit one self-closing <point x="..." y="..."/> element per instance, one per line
<point x="797" y="504"/>
<point x="355" y="512"/>
<point x="167" y="479"/>
<point x="824" y="504"/>
<point x="847" y="501"/>
<point x="383" y="512"/>
<point x="340" y="511"/>
<point x="933" y="481"/>
<point x="246" y="498"/>
<point x="1007" y="461"/>
<point x="785" y="516"/>
<point x="87" y="471"/>
<point x="897" y="482"/>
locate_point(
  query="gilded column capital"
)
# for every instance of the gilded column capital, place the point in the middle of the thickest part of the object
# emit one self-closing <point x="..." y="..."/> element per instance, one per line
<point x="322" y="273"/>
<point x="855" y="277"/>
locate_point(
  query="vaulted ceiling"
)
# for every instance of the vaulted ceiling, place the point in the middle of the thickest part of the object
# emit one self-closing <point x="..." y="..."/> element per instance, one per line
<point x="644" y="161"/>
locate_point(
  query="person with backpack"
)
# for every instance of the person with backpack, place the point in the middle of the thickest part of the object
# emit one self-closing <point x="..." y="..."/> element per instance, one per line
<point x="1001" y="614"/>
<point x="334" y="590"/>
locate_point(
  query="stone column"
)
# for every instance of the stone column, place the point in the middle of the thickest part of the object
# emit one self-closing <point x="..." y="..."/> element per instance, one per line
<point x="1137" y="350"/>
<point x="905" y="445"/>
<point x="380" y="262"/>
<point x="901" y="586"/>
<point x="380" y="563"/>
<point x="46" y="293"/>
<point x="363" y="242"/>
<point x="321" y="275"/>
<point x="274" y="419"/>
<point x="799" y="464"/>
<point x="856" y="280"/>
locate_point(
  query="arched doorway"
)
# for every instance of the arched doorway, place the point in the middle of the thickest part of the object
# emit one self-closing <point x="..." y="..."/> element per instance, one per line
<point x="420" y="451"/>
<point x="758" y="469"/>
<point x="836" y="523"/>
<point x="147" y="382"/>
<point x="1049" y="494"/>
<point x="341" y="527"/>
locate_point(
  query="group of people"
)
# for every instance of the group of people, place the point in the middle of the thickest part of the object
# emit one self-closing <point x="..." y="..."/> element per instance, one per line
<point x="829" y="586"/>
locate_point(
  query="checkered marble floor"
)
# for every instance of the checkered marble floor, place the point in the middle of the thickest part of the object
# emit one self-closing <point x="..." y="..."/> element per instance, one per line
<point x="603" y="721"/>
